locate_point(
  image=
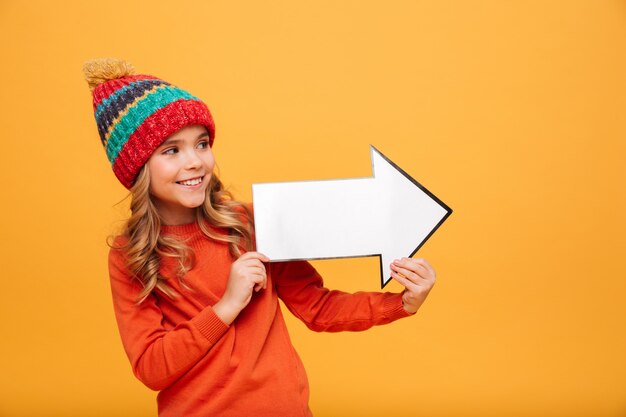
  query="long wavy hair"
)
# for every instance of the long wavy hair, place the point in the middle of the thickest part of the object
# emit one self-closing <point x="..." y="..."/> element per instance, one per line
<point x="145" y="245"/>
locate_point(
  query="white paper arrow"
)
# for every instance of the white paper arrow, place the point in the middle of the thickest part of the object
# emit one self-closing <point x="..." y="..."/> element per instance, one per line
<point x="389" y="215"/>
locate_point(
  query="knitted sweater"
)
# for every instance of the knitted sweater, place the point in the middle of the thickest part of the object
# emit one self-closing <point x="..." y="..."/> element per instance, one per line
<point x="203" y="367"/>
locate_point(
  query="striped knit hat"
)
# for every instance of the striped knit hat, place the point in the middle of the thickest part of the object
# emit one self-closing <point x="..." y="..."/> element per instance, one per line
<point x="136" y="113"/>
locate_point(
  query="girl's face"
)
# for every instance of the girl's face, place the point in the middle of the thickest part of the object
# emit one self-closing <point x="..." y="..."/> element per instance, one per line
<point x="180" y="170"/>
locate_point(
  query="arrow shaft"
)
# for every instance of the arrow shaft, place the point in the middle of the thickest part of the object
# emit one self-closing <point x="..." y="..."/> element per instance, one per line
<point x="337" y="228"/>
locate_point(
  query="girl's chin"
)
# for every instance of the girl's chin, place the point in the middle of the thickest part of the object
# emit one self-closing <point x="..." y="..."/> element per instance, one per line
<point x="193" y="201"/>
<point x="193" y="204"/>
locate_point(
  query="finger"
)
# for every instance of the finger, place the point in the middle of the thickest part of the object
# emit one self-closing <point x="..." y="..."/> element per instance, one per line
<point x="252" y="263"/>
<point x="258" y="277"/>
<point x="255" y="255"/>
<point x="255" y="273"/>
<point x="413" y="264"/>
<point x="260" y="283"/>
<point x="425" y="264"/>
<point x="405" y="272"/>
<point x="419" y="266"/>
<point x="401" y="279"/>
<point x="253" y="266"/>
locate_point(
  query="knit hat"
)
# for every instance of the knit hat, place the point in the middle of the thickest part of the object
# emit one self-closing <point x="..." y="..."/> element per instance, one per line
<point x="136" y="113"/>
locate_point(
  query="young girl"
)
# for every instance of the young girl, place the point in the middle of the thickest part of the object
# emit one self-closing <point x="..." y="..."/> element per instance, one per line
<point x="197" y="307"/>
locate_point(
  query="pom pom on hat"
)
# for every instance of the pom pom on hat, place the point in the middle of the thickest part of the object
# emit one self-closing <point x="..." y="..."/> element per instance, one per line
<point x="136" y="113"/>
<point x="98" y="71"/>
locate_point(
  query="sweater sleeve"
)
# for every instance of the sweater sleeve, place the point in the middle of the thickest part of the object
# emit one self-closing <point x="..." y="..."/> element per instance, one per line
<point x="302" y="290"/>
<point x="158" y="357"/>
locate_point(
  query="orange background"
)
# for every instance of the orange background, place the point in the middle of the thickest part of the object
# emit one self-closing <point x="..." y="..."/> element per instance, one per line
<point x="513" y="113"/>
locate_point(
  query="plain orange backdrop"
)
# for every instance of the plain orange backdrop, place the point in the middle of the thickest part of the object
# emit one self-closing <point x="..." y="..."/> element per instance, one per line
<point x="513" y="113"/>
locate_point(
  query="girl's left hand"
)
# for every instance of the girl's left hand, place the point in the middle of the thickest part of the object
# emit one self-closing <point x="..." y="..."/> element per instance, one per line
<point x="418" y="278"/>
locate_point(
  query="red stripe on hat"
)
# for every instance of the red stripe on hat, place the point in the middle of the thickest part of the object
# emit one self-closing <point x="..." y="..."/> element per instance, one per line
<point x="154" y="130"/>
<point x="104" y="90"/>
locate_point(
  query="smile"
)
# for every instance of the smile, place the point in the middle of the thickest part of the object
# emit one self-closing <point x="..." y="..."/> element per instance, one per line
<point x="191" y="182"/>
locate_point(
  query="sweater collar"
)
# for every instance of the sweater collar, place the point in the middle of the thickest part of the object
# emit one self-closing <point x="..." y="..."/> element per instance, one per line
<point x="181" y="230"/>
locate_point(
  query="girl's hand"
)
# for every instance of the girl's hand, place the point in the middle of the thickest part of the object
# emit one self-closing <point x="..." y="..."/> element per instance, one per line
<point x="247" y="274"/>
<point x="418" y="278"/>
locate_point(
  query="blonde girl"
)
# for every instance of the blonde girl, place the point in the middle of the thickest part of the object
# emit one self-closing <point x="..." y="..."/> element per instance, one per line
<point x="197" y="308"/>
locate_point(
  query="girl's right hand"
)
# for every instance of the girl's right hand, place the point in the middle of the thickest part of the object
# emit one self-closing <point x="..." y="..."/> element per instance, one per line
<point x="247" y="274"/>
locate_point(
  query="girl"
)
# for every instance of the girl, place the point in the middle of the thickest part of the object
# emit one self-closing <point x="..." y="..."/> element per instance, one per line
<point x="197" y="307"/>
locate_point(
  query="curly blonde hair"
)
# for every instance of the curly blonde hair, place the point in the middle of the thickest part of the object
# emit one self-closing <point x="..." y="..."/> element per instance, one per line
<point x="145" y="245"/>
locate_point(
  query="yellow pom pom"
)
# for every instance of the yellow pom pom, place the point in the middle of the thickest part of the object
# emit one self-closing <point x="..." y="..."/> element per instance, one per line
<point x="100" y="70"/>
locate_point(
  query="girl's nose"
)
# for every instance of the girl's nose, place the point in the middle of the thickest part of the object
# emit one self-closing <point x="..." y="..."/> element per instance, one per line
<point x="192" y="160"/>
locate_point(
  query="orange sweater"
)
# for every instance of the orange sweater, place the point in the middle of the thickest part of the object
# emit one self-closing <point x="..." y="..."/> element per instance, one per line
<point x="201" y="366"/>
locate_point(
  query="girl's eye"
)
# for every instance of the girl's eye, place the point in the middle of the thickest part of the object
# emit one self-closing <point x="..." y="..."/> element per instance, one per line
<point x="204" y="144"/>
<point x="170" y="151"/>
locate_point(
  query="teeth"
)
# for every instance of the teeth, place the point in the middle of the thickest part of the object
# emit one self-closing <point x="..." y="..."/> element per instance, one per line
<point x="194" y="181"/>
